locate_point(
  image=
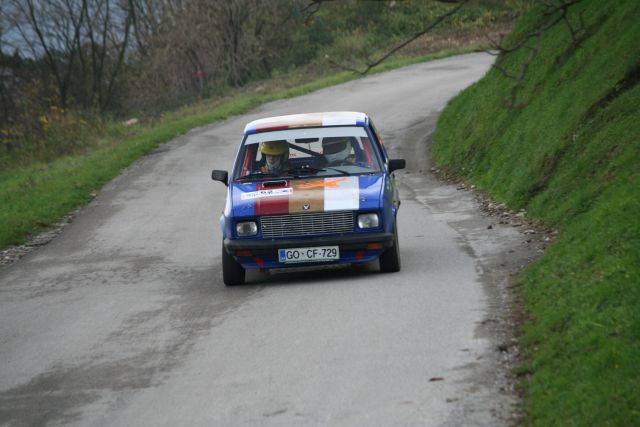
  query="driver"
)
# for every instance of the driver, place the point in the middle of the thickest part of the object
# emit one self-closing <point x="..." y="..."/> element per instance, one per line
<point x="276" y="154"/>
<point x="336" y="150"/>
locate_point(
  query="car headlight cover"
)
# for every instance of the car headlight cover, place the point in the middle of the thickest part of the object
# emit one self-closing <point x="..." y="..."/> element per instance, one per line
<point x="368" y="220"/>
<point x="247" y="228"/>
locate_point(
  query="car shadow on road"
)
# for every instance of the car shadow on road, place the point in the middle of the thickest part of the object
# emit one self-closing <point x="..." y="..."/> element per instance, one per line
<point x="311" y="275"/>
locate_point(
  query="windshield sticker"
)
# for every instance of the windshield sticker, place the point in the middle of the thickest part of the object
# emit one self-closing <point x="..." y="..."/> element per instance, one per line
<point x="266" y="193"/>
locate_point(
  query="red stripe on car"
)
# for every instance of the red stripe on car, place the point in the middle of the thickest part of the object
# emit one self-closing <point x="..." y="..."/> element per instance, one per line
<point x="273" y="205"/>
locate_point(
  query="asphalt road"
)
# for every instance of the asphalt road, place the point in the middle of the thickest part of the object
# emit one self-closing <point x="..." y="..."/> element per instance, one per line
<point x="124" y="320"/>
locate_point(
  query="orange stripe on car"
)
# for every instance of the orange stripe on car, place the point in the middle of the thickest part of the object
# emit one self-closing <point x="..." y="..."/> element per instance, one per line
<point x="327" y="183"/>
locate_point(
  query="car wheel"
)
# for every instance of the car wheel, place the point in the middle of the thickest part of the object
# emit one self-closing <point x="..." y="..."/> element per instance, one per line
<point x="390" y="259"/>
<point x="232" y="271"/>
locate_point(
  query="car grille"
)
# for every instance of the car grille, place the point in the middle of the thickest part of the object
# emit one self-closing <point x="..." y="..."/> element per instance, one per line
<point x="307" y="224"/>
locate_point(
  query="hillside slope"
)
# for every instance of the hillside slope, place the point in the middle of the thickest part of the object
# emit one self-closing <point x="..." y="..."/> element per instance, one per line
<point x="568" y="151"/>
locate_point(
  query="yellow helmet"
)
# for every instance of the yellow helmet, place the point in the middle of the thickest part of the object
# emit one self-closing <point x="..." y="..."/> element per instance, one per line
<point x="274" y="148"/>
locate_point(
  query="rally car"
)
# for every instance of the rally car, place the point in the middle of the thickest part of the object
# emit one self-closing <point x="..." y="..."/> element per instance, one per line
<point x="307" y="190"/>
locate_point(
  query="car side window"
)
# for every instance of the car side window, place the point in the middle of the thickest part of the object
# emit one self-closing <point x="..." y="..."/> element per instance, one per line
<point x="249" y="162"/>
<point x="374" y="131"/>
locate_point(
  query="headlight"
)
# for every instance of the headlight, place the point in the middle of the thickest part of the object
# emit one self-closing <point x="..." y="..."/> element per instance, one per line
<point x="368" y="220"/>
<point x="248" y="228"/>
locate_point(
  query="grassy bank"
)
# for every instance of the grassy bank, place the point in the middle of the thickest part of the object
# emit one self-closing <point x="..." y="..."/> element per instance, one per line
<point x="34" y="196"/>
<point x="568" y="152"/>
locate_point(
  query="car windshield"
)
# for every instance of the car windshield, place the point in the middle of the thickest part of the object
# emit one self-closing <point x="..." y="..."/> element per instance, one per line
<point x="304" y="152"/>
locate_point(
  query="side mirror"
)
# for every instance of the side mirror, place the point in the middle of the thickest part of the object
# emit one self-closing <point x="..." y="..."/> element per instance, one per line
<point x="222" y="176"/>
<point x="395" y="164"/>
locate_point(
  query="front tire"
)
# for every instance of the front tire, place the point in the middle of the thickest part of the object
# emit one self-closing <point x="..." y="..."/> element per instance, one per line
<point x="390" y="259"/>
<point x="232" y="271"/>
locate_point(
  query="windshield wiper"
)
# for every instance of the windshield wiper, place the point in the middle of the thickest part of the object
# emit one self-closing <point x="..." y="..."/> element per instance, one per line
<point x="337" y="170"/>
<point x="255" y="175"/>
<point x="295" y="172"/>
<point x="299" y="171"/>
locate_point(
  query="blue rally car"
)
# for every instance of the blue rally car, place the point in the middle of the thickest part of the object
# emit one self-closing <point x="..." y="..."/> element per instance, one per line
<point x="309" y="189"/>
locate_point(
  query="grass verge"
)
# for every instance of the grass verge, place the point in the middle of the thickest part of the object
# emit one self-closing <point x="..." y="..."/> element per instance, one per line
<point x="35" y="196"/>
<point x="569" y="152"/>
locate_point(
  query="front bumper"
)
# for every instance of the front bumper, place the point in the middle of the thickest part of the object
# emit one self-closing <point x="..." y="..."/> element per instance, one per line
<point x="263" y="254"/>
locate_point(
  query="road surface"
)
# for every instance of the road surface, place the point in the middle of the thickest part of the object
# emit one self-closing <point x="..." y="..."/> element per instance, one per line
<point x="123" y="319"/>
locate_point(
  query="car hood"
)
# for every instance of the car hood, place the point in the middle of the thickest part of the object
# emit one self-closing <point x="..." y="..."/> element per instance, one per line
<point x="279" y="197"/>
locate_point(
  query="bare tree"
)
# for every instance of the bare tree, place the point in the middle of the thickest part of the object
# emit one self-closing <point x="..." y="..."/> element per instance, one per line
<point x="188" y="48"/>
<point x="106" y="38"/>
<point x="171" y="55"/>
<point x="234" y="18"/>
<point x="52" y="30"/>
<point x="83" y="43"/>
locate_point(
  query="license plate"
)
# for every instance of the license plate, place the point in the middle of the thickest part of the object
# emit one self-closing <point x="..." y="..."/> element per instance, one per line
<point x="315" y="254"/>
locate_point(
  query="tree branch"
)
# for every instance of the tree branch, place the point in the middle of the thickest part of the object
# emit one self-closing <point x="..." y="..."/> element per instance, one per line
<point x="428" y="28"/>
<point x="559" y="9"/>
